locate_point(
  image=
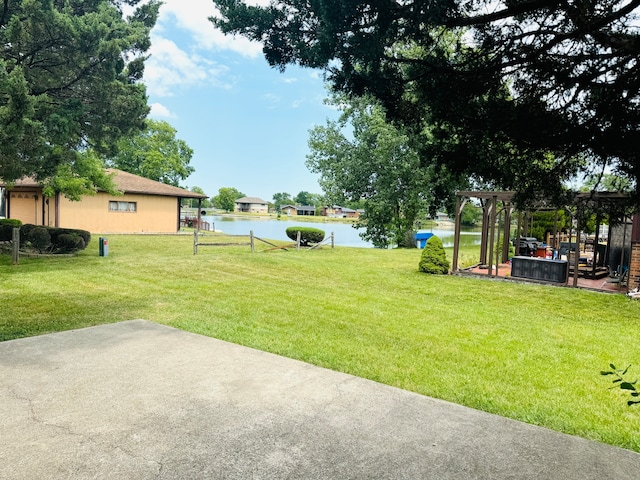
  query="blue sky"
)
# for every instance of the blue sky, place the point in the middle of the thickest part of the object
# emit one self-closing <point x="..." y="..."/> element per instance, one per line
<point x="246" y="122"/>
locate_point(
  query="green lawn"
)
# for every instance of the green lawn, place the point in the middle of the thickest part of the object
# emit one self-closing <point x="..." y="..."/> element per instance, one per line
<point x="528" y="352"/>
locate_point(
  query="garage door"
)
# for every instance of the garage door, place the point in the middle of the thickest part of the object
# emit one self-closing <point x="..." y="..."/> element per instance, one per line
<point x="24" y="206"/>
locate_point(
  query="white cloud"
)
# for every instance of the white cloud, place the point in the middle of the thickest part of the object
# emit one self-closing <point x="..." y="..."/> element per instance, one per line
<point x="170" y="69"/>
<point x="160" y="111"/>
<point x="195" y="20"/>
<point x="272" y="100"/>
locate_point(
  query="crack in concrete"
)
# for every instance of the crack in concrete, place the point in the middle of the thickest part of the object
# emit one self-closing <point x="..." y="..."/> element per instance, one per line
<point x="67" y="429"/>
<point x="36" y="418"/>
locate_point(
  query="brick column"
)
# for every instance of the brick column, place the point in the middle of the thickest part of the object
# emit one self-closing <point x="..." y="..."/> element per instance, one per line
<point x="634" y="266"/>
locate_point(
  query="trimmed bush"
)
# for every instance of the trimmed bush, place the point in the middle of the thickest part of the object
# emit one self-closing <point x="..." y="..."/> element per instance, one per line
<point x="69" y="243"/>
<point x="57" y="232"/>
<point x="6" y="228"/>
<point x="55" y="240"/>
<point x="434" y="259"/>
<point x="12" y="222"/>
<point x="307" y="235"/>
<point x="25" y="230"/>
<point x="39" y="238"/>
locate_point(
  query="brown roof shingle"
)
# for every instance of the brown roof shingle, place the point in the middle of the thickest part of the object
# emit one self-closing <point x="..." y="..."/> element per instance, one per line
<point x="130" y="183"/>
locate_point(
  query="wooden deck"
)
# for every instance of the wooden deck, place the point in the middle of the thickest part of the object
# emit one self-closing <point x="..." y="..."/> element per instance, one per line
<point x="504" y="272"/>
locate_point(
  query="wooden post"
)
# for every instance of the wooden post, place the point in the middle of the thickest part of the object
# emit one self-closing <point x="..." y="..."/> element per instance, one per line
<point x="498" y="251"/>
<point x="556" y="240"/>
<point x="15" y="239"/>
<point x="577" y="255"/>
<point x="195" y="241"/>
<point x="456" y="233"/>
<point x="492" y="232"/>
<point x="518" y="227"/>
<point x="332" y="241"/>
<point x="253" y="249"/>
<point x="484" y="236"/>
<point x="298" y="240"/>
<point x="596" y="260"/>
<point x="507" y="233"/>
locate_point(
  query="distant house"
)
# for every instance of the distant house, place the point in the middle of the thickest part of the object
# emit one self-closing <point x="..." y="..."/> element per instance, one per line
<point x="337" y="211"/>
<point x="291" y="210"/>
<point x="251" y="205"/>
<point x="443" y="217"/>
<point x="305" y="210"/>
<point x="144" y="206"/>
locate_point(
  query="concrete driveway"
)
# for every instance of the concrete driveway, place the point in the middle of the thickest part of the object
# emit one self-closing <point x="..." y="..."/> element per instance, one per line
<point x="137" y="400"/>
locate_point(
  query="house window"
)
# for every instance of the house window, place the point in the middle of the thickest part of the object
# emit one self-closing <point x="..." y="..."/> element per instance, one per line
<point x="123" y="206"/>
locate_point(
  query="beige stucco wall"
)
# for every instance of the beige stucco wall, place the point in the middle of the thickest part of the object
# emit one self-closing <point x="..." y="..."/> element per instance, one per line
<point x="154" y="214"/>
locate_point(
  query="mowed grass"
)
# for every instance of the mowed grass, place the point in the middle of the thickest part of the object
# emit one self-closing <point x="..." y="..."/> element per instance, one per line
<point x="528" y="352"/>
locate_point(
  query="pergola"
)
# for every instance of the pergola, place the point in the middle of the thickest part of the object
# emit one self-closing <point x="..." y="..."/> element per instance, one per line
<point x="498" y="207"/>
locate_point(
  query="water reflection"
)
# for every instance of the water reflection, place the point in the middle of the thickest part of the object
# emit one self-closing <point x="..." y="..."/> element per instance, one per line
<point x="345" y="235"/>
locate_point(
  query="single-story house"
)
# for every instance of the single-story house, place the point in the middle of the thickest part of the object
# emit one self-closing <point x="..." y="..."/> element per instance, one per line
<point x="251" y="205"/>
<point x="145" y="206"/>
<point x="291" y="210"/>
<point x="336" y="211"/>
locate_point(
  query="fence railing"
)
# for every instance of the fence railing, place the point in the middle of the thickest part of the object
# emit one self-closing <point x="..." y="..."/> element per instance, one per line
<point x="198" y="236"/>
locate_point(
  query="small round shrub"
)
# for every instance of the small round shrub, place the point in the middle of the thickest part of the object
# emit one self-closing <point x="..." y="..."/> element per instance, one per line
<point x="69" y="243"/>
<point x="61" y="246"/>
<point x="434" y="259"/>
<point x="307" y="235"/>
<point x="39" y="238"/>
<point x="25" y="230"/>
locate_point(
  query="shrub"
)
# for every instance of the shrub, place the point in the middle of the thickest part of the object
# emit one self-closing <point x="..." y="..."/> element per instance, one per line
<point x="307" y="234"/>
<point x="434" y="259"/>
<point x="12" y="222"/>
<point x="6" y="228"/>
<point x="57" y="240"/>
<point x="69" y="243"/>
<point x="408" y="240"/>
<point x="57" y="232"/>
<point x="25" y="230"/>
<point x="39" y="238"/>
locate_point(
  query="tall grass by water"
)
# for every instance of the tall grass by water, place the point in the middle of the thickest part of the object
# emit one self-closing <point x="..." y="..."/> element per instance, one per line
<point x="524" y="351"/>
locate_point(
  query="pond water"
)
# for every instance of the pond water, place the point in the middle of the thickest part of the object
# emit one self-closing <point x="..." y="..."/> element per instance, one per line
<point x="345" y="235"/>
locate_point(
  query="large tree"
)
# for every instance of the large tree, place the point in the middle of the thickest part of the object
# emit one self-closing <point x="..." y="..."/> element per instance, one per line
<point x="528" y="93"/>
<point x="281" y="198"/>
<point x="226" y="198"/>
<point x="154" y="153"/>
<point x="70" y="74"/>
<point x="361" y="156"/>
<point x="305" y="198"/>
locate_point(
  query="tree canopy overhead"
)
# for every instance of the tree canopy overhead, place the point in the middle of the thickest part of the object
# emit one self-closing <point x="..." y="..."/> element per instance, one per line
<point x="524" y="94"/>
<point x="70" y="74"/>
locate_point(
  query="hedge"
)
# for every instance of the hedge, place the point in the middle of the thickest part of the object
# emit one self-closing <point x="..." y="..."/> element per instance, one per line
<point x="6" y="228"/>
<point x="45" y="239"/>
<point x="307" y="235"/>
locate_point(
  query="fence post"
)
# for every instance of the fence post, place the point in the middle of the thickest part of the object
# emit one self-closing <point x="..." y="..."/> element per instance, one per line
<point x="332" y="242"/>
<point x="15" y="239"/>
<point x="298" y="240"/>
<point x="195" y="241"/>
<point x="251" y="239"/>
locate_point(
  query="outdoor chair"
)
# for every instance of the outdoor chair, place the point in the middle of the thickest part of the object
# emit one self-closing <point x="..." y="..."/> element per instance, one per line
<point x="620" y="277"/>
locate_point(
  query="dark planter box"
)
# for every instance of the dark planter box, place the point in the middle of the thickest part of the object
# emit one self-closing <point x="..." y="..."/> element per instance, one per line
<point x="539" y="269"/>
